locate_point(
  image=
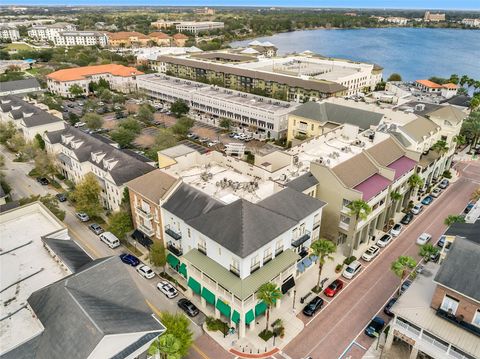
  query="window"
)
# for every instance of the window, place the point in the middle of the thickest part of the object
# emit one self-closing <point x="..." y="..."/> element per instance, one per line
<point x="278" y="247"/>
<point x="449" y="304"/>
<point x="202" y="246"/>
<point x="476" y="318"/>
<point x="267" y="255"/>
<point x="219" y="251"/>
<point x="345" y="202"/>
<point x="254" y="264"/>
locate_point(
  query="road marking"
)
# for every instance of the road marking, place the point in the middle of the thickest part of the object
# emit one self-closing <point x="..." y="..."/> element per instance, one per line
<point x="197" y="349"/>
<point x="154" y="308"/>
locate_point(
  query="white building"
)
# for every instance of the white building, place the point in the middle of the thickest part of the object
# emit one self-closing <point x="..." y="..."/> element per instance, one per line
<point x="81" y="38"/>
<point x="268" y="116"/>
<point x="198" y="26"/>
<point x="49" y="32"/>
<point x="397" y="20"/>
<point x="471" y="22"/>
<point x="8" y="32"/>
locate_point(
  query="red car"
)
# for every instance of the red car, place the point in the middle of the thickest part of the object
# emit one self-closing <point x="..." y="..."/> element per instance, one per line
<point x="333" y="288"/>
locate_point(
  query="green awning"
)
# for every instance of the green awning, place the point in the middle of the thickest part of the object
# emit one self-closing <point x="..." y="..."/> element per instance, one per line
<point x="209" y="296"/>
<point x="173" y="261"/>
<point x="249" y="316"/>
<point x="183" y="270"/>
<point x="260" y="308"/>
<point x="236" y="317"/>
<point x="196" y="287"/>
<point x="224" y="308"/>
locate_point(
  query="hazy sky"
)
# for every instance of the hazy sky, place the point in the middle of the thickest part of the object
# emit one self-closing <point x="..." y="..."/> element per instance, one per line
<point x="410" y="4"/>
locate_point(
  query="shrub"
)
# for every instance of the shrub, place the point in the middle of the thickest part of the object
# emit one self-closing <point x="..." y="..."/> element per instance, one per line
<point x="349" y="260"/>
<point x="265" y="334"/>
<point x="339" y="267"/>
<point x="447" y="174"/>
<point x="214" y="324"/>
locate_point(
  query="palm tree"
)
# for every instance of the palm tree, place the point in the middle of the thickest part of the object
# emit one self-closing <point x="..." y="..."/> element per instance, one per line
<point x="269" y="293"/>
<point x="415" y="181"/>
<point x="460" y="140"/>
<point x="464" y="80"/>
<point x="428" y="250"/>
<point x="454" y="79"/>
<point x="475" y="196"/>
<point x="359" y="209"/>
<point x="454" y="218"/>
<point x="440" y="147"/>
<point x="471" y="128"/>
<point x="402" y="267"/>
<point x="394" y="197"/>
<point x="470" y="82"/>
<point x="323" y="249"/>
<point x="169" y="346"/>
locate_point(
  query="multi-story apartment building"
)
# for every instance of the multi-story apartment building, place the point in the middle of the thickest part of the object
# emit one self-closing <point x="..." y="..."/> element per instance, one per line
<point x="204" y="11"/>
<point x="433" y="17"/>
<point x="78" y="153"/>
<point x="439" y="315"/>
<point x="121" y="78"/>
<point x="81" y="38"/>
<point x="8" y="32"/>
<point x="471" y="22"/>
<point x="30" y="118"/>
<point x="267" y="116"/>
<point x="188" y="26"/>
<point x="397" y="20"/>
<point x="49" y="32"/>
<point x="127" y="39"/>
<point x="179" y="40"/>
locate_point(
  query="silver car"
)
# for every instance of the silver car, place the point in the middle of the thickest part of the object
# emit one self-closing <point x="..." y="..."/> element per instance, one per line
<point x="167" y="288"/>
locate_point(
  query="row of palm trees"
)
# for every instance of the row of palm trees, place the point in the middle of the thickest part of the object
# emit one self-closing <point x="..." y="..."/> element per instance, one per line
<point x="470" y="132"/>
<point x="465" y="80"/>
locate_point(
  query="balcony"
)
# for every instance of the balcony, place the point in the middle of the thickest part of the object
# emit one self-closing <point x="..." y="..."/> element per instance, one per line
<point x="148" y="231"/>
<point x="172" y="233"/>
<point x="469" y="327"/>
<point x="175" y="250"/>
<point x="302" y="239"/>
<point x="142" y="213"/>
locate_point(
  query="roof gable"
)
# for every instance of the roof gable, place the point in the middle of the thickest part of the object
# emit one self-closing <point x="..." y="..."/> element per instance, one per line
<point x="386" y="152"/>
<point x="355" y="170"/>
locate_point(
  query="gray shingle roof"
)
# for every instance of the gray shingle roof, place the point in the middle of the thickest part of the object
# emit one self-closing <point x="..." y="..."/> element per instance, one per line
<point x="303" y="182"/>
<point x="242" y="227"/>
<point x="459" y="271"/>
<point x="69" y="252"/>
<point x="470" y="231"/>
<point x="26" y="84"/>
<point x="36" y="116"/>
<point x="401" y="138"/>
<point x="329" y="112"/>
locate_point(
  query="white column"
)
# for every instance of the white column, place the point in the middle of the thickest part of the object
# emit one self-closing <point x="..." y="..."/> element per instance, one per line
<point x="389" y="340"/>
<point x="414" y="353"/>
<point x="204" y="302"/>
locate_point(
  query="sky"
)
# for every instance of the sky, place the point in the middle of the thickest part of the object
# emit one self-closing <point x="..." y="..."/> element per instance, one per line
<point x="403" y="4"/>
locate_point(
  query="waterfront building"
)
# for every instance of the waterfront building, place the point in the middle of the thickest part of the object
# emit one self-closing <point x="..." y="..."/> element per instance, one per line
<point x="81" y="38"/>
<point x="396" y="20"/>
<point x="8" y="32"/>
<point x="433" y="17"/>
<point x="193" y="27"/>
<point x="471" y="22"/>
<point x="49" y="32"/>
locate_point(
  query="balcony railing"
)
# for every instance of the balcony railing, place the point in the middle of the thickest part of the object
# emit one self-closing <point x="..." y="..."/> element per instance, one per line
<point x="302" y="239"/>
<point x="175" y="250"/>
<point x="142" y="213"/>
<point x="469" y="327"/>
<point x="148" y="231"/>
<point x="172" y="233"/>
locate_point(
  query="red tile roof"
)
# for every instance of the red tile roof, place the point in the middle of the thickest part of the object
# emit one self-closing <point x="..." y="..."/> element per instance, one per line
<point x="450" y="86"/>
<point x="80" y="73"/>
<point x="125" y="35"/>
<point x="428" y="83"/>
<point x="159" y="35"/>
<point x="180" y="37"/>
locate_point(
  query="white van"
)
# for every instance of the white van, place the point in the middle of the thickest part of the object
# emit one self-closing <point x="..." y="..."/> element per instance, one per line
<point x="110" y="240"/>
<point x="352" y="270"/>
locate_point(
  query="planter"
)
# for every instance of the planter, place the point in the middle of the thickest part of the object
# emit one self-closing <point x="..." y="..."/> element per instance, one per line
<point x="338" y="268"/>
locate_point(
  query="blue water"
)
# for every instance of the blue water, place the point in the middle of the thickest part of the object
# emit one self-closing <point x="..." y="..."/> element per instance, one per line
<point x="414" y="53"/>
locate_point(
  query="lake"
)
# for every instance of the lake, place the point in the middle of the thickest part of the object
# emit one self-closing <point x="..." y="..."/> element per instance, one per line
<point x="415" y="53"/>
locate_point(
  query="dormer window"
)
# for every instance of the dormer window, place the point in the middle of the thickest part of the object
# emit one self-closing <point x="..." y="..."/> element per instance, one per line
<point x="27" y="114"/>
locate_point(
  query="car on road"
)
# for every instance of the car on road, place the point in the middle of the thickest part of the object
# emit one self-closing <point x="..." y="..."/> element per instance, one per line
<point x="424" y="238"/>
<point x="312" y="307"/>
<point x="468" y="208"/>
<point x="406" y="219"/>
<point x="436" y="192"/>
<point x="83" y="217"/>
<point x="129" y="259"/>
<point x="96" y="228"/>
<point x="213" y="143"/>
<point x="167" y="288"/>
<point x="405" y="286"/>
<point x="43" y="181"/>
<point x="427" y="200"/>
<point x="384" y="240"/>
<point x="417" y="208"/>
<point x="61" y="197"/>
<point x="352" y="270"/>
<point x="396" y="230"/>
<point x="79" y="124"/>
<point x="371" y="253"/>
<point x="333" y="288"/>
<point x="188" y="307"/>
<point x="444" y="184"/>
<point x="145" y="271"/>
<point x="388" y="307"/>
<point x="374" y="328"/>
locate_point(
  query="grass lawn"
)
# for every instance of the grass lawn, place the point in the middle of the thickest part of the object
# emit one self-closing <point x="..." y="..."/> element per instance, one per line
<point x="17" y="47"/>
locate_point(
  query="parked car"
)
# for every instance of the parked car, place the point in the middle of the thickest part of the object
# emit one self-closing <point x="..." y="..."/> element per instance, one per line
<point x="424" y="238"/>
<point x="427" y="200"/>
<point x="61" y="197"/>
<point x="441" y="241"/>
<point x="333" y="288"/>
<point x="352" y="270"/>
<point x="79" y="124"/>
<point x="232" y="134"/>
<point x="417" y="208"/>
<point x="145" y="271"/>
<point x="444" y="184"/>
<point x="435" y="257"/>
<point x="405" y="286"/>
<point x="212" y="143"/>
<point x="469" y="207"/>
<point x="188" y="307"/>
<point x="167" y="288"/>
<point x="83" y="217"/>
<point x="43" y="181"/>
<point x="95" y="228"/>
<point x="371" y="253"/>
<point x="387" y="309"/>
<point x="312" y="307"/>
<point x="110" y="239"/>
<point x="436" y="192"/>
<point x="129" y="259"/>
<point x="375" y="327"/>
<point x="396" y="230"/>
<point x="384" y="240"/>
<point x="407" y="218"/>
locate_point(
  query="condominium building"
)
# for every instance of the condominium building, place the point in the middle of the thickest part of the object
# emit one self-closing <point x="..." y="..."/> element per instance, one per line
<point x="121" y="78"/>
<point x="188" y="26"/>
<point x="49" y="32"/>
<point x="267" y="116"/>
<point x="78" y="153"/>
<point x="127" y="39"/>
<point x="81" y="38"/>
<point x="204" y="11"/>
<point x="396" y="20"/>
<point x="447" y="90"/>
<point x="471" y="22"/>
<point x="439" y="315"/>
<point x="8" y="32"/>
<point x="433" y="17"/>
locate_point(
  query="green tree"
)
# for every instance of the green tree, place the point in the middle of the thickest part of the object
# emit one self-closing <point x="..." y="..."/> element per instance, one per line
<point x="394" y="197"/>
<point x="359" y="209"/>
<point x="394" y="77"/>
<point x="16" y="143"/>
<point x="415" y="181"/>
<point x="179" y="108"/>
<point x="169" y="346"/>
<point x="460" y="140"/>
<point x="323" y="249"/>
<point x="428" y="250"/>
<point x="93" y="121"/>
<point x="106" y="95"/>
<point x="123" y="136"/>
<point x="39" y="142"/>
<point x="87" y="196"/>
<point x="178" y="326"/>
<point x="269" y="293"/>
<point x="131" y="124"/>
<point x="440" y="147"/>
<point x="454" y="218"/>
<point x="164" y="139"/>
<point x="183" y="126"/>
<point x="120" y="223"/>
<point x="48" y="201"/>
<point x="463" y="80"/>
<point x="474" y="102"/>
<point x="7" y="131"/>
<point x="145" y="113"/>
<point x="454" y="79"/>
<point x="157" y="255"/>
<point x="225" y="123"/>
<point x="45" y="164"/>
<point x="75" y="90"/>
<point x="471" y="128"/>
<point x="402" y="267"/>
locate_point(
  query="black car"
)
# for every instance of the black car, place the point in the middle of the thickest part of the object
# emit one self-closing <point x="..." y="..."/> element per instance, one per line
<point x="61" y="197"/>
<point x="388" y="307"/>
<point x="43" y="181"/>
<point x="188" y="307"/>
<point x="407" y="218"/>
<point x="375" y="327"/>
<point x="435" y="257"/>
<point x="312" y="307"/>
